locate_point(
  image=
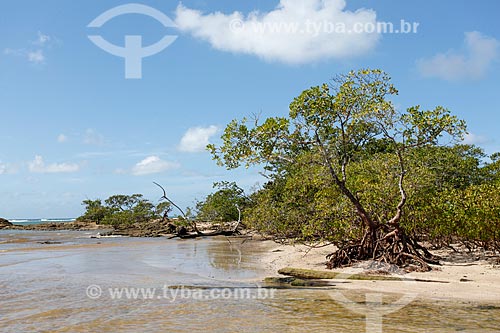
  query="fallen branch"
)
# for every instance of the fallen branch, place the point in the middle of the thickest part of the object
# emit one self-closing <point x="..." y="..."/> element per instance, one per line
<point x="198" y="233"/>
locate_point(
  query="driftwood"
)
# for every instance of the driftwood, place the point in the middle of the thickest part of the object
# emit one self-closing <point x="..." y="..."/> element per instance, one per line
<point x="206" y="234"/>
<point x="181" y="233"/>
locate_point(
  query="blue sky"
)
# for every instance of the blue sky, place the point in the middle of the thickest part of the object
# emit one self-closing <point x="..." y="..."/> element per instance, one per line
<point x="73" y="127"/>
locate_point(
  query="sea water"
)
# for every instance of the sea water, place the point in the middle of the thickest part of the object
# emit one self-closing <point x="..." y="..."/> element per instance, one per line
<point x="40" y="221"/>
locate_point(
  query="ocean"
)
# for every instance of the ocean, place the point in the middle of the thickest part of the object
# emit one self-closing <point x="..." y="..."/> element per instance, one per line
<point x="40" y="221"/>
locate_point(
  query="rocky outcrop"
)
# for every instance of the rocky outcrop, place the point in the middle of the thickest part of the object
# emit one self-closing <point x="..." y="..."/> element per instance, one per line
<point x="4" y="223"/>
<point x="160" y="228"/>
<point x="154" y="228"/>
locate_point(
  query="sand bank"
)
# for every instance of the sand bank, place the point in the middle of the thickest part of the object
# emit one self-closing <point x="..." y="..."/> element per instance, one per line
<point x="462" y="277"/>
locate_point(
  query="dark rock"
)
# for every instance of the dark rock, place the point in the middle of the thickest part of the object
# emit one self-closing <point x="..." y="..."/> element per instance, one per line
<point x="182" y="231"/>
<point x="171" y="228"/>
<point x="5" y="223"/>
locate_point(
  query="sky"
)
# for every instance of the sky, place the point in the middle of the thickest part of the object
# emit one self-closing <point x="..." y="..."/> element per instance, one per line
<point x="76" y="125"/>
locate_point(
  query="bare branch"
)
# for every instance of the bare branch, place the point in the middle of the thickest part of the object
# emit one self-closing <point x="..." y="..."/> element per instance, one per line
<point x="193" y="224"/>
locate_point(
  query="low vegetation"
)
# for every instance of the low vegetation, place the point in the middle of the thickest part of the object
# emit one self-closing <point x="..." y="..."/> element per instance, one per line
<point x="123" y="210"/>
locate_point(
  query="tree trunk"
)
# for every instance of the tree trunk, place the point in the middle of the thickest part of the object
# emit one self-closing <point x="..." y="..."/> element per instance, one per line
<point x="362" y="213"/>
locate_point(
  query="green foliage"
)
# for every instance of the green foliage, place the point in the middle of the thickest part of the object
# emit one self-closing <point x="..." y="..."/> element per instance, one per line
<point x="123" y="202"/>
<point x="341" y="161"/>
<point x="94" y="211"/>
<point x="345" y="144"/>
<point x="458" y="166"/>
<point x="470" y="215"/>
<point x="163" y="208"/>
<point x="491" y="171"/>
<point x="302" y="204"/>
<point x="222" y="206"/>
<point x="122" y="210"/>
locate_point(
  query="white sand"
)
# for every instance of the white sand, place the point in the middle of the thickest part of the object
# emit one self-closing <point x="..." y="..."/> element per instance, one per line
<point x="482" y="285"/>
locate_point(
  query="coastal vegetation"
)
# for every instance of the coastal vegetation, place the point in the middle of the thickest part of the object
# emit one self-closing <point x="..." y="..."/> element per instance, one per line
<point x="347" y="168"/>
<point x="132" y="215"/>
<point x="119" y="210"/>
<point x="222" y="205"/>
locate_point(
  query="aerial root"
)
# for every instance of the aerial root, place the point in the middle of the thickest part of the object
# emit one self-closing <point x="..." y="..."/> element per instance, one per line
<point x="394" y="248"/>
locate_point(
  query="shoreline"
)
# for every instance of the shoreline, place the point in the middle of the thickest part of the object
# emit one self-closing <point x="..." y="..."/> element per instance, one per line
<point x="153" y="228"/>
<point x="462" y="276"/>
<point x="459" y="278"/>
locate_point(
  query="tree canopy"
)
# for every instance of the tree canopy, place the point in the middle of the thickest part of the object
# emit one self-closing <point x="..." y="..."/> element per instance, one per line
<point x="223" y="205"/>
<point x="123" y="210"/>
<point x="334" y="133"/>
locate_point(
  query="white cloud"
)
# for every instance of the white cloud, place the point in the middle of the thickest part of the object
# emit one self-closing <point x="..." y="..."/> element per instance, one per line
<point x="472" y="62"/>
<point x="38" y="166"/>
<point x="8" y="169"/>
<point x="18" y="53"/>
<point x="35" y="52"/>
<point x="42" y="39"/>
<point x="120" y="171"/>
<point x="196" y="139"/>
<point x="295" y="32"/>
<point x="36" y="57"/>
<point x="150" y="165"/>
<point x="61" y="138"/>
<point x="92" y="137"/>
<point x="473" y="139"/>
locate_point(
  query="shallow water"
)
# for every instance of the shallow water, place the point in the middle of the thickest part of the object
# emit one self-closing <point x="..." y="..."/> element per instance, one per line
<point x="43" y="288"/>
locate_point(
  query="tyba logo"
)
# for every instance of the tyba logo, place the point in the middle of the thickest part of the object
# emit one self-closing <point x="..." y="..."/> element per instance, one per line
<point x="133" y="51"/>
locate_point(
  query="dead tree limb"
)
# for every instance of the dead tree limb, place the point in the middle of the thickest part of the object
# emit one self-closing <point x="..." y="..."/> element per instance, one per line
<point x="197" y="233"/>
<point x="235" y="229"/>
<point x="192" y="223"/>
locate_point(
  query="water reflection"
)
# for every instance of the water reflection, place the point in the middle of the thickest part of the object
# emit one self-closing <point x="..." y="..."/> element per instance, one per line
<point x="228" y="255"/>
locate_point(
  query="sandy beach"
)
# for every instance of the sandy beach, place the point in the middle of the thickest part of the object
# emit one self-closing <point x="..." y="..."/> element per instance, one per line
<point x="459" y="278"/>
